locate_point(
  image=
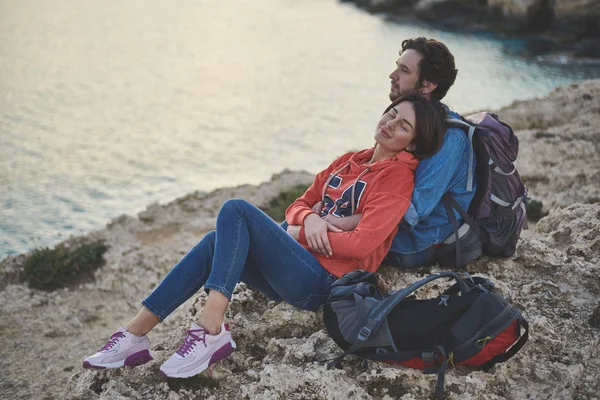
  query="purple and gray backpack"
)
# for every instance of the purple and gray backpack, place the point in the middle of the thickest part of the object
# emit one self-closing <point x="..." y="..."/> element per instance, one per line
<point x="496" y="214"/>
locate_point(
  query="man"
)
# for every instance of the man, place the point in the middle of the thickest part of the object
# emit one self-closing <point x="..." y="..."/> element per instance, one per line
<point x="427" y="66"/>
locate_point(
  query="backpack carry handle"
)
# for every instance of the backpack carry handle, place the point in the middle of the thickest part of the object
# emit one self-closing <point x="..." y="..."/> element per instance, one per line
<point x="381" y="311"/>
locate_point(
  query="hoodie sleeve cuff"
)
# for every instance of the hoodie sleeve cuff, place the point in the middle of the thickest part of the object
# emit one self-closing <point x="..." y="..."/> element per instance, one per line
<point x="302" y="236"/>
<point x="298" y="219"/>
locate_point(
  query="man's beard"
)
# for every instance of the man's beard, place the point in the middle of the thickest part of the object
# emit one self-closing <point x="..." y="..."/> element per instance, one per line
<point x="394" y="95"/>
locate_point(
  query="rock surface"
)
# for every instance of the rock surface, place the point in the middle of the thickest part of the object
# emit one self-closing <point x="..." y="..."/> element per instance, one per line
<point x="554" y="278"/>
<point x="564" y="28"/>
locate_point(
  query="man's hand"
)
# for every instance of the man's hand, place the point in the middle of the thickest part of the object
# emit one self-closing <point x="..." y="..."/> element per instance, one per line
<point x="315" y="230"/>
<point x="294" y="231"/>
<point x="345" y="224"/>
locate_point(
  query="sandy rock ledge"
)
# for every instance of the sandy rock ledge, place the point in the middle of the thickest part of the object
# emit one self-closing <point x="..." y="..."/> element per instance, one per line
<point x="554" y="278"/>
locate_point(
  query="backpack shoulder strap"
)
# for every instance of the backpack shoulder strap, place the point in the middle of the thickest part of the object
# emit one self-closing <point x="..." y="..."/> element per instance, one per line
<point x="449" y="204"/>
<point x="469" y="128"/>
<point x="381" y="311"/>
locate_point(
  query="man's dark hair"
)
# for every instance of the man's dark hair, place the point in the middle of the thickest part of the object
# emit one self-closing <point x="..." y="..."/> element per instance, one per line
<point x="436" y="65"/>
<point x="430" y="124"/>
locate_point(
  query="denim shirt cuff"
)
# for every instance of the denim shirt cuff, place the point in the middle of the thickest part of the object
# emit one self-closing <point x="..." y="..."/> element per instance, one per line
<point x="410" y="218"/>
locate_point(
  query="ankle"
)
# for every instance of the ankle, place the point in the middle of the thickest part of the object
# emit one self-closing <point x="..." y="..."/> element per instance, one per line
<point x="143" y="323"/>
<point x="213" y="328"/>
<point x="136" y="333"/>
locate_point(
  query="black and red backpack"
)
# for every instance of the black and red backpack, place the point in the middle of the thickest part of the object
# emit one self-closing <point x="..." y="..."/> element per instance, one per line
<point x="468" y="324"/>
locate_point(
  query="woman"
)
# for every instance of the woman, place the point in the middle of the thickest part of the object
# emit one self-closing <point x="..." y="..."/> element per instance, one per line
<point x="298" y="266"/>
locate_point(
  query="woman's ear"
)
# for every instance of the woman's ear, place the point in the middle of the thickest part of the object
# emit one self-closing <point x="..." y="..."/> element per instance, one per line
<point x="411" y="147"/>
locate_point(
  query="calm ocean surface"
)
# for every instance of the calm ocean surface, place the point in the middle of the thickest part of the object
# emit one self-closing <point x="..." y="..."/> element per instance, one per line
<point x="106" y="107"/>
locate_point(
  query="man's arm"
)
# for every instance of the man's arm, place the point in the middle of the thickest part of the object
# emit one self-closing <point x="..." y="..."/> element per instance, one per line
<point x="433" y="176"/>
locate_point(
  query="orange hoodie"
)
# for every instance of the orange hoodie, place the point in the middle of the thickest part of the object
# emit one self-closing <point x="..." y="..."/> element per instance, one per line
<point x="382" y="193"/>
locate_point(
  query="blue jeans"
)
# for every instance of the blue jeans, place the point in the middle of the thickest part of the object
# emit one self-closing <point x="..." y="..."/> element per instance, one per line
<point x="423" y="258"/>
<point x="247" y="246"/>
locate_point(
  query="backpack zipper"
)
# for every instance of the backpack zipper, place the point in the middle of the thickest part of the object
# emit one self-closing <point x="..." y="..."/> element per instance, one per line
<point x="479" y="332"/>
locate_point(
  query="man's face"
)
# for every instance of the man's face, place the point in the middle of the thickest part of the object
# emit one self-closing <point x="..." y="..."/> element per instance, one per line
<point x="405" y="77"/>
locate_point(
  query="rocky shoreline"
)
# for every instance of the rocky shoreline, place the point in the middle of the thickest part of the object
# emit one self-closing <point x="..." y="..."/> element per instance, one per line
<point x="555" y="29"/>
<point x="554" y="278"/>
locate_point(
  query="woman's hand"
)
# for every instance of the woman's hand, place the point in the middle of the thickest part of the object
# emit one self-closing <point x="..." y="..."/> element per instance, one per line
<point x="318" y="207"/>
<point x="345" y="224"/>
<point x="315" y="230"/>
<point x="294" y="231"/>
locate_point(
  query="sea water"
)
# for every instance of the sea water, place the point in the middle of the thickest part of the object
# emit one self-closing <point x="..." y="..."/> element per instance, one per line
<point x="106" y="107"/>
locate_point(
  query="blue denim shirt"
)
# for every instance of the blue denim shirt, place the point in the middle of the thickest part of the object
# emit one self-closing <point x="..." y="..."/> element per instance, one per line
<point x="426" y="222"/>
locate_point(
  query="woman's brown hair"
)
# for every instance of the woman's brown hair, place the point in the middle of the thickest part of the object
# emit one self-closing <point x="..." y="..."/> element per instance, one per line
<point x="430" y="126"/>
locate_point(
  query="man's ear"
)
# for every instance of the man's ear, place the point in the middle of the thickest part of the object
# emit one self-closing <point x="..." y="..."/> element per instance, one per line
<point x="427" y="87"/>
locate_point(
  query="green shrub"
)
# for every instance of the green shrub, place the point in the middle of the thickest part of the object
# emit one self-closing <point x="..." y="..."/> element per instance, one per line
<point x="277" y="206"/>
<point x="50" y="269"/>
<point x="534" y="209"/>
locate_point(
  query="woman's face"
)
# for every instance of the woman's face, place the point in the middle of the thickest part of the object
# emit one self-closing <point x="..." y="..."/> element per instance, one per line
<point x="395" y="130"/>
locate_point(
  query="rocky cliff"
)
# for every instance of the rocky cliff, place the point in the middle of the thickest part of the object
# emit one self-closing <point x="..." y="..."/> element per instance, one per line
<point x="554" y="278"/>
<point x="559" y="27"/>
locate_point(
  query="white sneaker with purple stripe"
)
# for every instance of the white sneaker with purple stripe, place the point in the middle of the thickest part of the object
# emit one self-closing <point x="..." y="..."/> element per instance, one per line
<point x="198" y="352"/>
<point x="122" y="349"/>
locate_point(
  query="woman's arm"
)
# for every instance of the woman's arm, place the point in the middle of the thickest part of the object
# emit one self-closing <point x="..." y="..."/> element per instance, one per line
<point x="302" y="206"/>
<point x="314" y="230"/>
<point x="384" y="206"/>
<point x="294" y="231"/>
<point x="345" y="224"/>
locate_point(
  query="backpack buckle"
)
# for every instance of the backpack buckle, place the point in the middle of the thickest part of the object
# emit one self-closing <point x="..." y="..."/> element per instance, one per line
<point x="429" y="361"/>
<point x="364" y="333"/>
<point x="480" y="287"/>
<point x="444" y="300"/>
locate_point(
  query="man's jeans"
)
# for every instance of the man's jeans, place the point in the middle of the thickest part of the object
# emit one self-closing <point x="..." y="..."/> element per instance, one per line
<point x="423" y="258"/>
<point x="247" y="246"/>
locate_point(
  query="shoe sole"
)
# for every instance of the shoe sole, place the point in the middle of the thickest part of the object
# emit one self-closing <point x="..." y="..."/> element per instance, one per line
<point x="223" y="352"/>
<point x="139" y="358"/>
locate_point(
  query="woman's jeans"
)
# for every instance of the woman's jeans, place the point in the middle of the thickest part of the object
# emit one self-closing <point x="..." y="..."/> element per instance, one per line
<point x="247" y="246"/>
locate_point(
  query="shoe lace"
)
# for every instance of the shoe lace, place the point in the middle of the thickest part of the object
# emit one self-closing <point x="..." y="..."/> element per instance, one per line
<point x="190" y="341"/>
<point x="113" y="340"/>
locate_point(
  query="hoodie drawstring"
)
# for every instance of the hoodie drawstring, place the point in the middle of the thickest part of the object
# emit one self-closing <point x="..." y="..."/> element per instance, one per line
<point x="354" y="187"/>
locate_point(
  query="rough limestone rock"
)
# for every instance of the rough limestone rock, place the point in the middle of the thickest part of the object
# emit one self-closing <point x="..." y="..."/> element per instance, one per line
<point x="578" y="10"/>
<point x="560" y="28"/>
<point x="463" y="12"/>
<point x="380" y="5"/>
<point x="506" y="15"/>
<point x="532" y="15"/>
<point x="554" y="277"/>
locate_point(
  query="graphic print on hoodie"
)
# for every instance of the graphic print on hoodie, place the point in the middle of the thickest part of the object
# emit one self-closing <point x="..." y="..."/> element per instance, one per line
<point x="382" y="193"/>
<point x="342" y="207"/>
